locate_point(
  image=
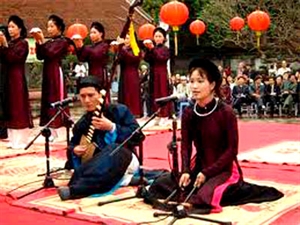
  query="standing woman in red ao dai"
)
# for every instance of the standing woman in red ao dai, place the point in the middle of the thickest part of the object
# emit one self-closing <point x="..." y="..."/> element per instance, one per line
<point x="129" y="87"/>
<point x="96" y="54"/>
<point x="53" y="84"/>
<point x="157" y="55"/>
<point x="14" y="54"/>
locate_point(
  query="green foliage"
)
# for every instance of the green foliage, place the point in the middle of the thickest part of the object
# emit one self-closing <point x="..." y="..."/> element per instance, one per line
<point x="34" y="76"/>
<point x="282" y="36"/>
<point x="152" y="7"/>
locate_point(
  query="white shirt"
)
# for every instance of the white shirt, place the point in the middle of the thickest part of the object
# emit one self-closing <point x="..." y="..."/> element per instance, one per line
<point x="80" y="70"/>
<point x="282" y="70"/>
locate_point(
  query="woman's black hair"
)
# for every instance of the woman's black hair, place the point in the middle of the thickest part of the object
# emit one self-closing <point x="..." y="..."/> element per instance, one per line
<point x="210" y="69"/>
<point x="20" y="23"/>
<point x="99" y="27"/>
<point x="59" y="22"/>
<point x="160" y="30"/>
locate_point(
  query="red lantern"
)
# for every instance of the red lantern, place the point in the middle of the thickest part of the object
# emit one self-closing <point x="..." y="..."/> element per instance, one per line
<point x="174" y="13"/>
<point x="146" y="31"/>
<point x="197" y="27"/>
<point x="77" y="29"/>
<point x="237" y="23"/>
<point x="258" y="21"/>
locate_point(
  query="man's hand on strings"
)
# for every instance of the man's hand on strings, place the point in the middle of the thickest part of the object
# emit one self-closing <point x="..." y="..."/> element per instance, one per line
<point x="79" y="150"/>
<point x="102" y="123"/>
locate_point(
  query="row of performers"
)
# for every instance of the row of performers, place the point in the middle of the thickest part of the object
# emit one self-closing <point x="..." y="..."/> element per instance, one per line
<point x="15" y="108"/>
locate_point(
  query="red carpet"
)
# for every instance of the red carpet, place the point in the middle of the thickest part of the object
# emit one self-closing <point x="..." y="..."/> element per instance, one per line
<point x="252" y="135"/>
<point x="11" y="215"/>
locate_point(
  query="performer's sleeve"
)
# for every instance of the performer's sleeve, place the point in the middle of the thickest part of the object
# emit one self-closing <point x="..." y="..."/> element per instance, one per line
<point x="128" y="55"/>
<point x="149" y="55"/>
<point x="230" y="154"/>
<point x="127" y="124"/>
<point x="82" y="54"/>
<point x="111" y="136"/>
<point x="40" y="52"/>
<point x="163" y="54"/>
<point x="75" y="140"/>
<point x="17" y="54"/>
<point x="55" y="49"/>
<point x="186" y="141"/>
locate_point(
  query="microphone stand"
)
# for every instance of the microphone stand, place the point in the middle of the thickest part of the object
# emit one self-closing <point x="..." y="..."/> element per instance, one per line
<point x="45" y="131"/>
<point x="180" y="213"/>
<point x="69" y="124"/>
<point x="141" y="188"/>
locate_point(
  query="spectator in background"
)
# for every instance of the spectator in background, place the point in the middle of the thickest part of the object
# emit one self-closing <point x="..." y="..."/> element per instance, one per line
<point x="227" y="71"/>
<point x="240" y="93"/>
<point x="298" y="91"/>
<point x="279" y="82"/>
<point x="80" y="70"/>
<point x="257" y="91"/>
<point x="230" y="81"/>
<point x="184" y="88"/>
<point x="177" y="79"/>
<point x="289" y="94"/>
<point x="272" y="94"/>
<point x="273" y="70"/>
<point x="146" y="101"/>
<point x="283" y="69"/>
<point x="226" y="91"/>
<point x="240" y="68"/>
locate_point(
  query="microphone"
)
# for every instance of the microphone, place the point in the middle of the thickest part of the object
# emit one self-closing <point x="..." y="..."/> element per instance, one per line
<point x="63" y="102"/>
<point x="174" y="97"/>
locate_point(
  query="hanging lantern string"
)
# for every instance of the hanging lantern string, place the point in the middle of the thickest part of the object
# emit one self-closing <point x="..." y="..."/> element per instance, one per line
<point x="174" y="13"/>
<point x="258" y="35"/>
<point x="175" y="30"/>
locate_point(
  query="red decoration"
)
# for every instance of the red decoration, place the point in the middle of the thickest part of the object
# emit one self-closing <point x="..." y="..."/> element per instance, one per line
<point x="258" y="21"/>
<point x="197" y="27"/>
<point x="77" y="28"/>
<point x="146" y="31"/>
<point x="237" y="23"/>
<point x="174" y="14"/>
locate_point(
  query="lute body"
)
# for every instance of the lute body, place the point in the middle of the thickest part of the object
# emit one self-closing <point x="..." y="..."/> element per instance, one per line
<point x="87" y="139"/>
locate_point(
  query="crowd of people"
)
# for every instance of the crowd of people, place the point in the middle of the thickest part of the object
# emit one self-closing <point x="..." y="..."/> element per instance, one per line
<point x="263" y="92"/>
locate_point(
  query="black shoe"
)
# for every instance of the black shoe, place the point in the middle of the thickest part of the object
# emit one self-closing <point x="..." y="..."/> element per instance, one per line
<point x="64" y="193"/>
<point x="3" y="133"/>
